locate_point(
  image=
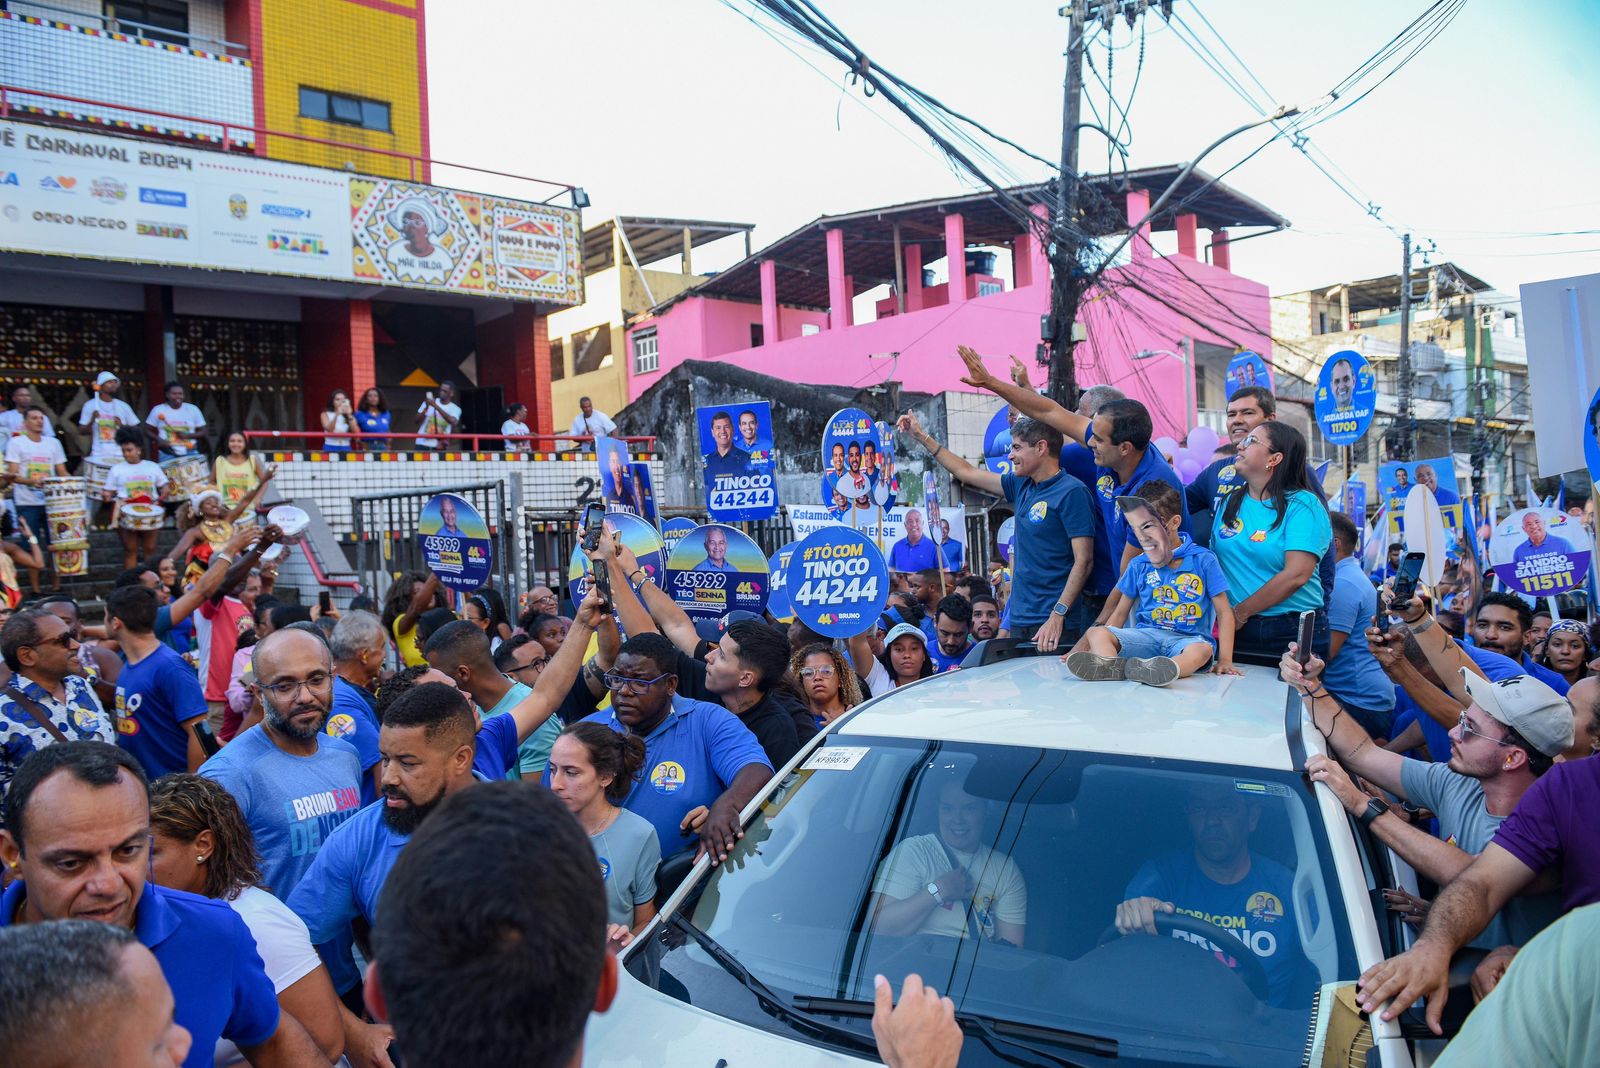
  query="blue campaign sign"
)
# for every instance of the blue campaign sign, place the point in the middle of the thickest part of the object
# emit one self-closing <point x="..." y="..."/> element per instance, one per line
<point x="1540" y="552"/>
<point x="715" y="569"/>
<point x="778" y="595"/>
<point x="855" y="463"/>
<point x="1248" y="369"/>
<point x="1006" y="536"/>
<point x="638" y="535"/>
<point x="455" y="543"/>
<point x="1353" y="502"/>
<point x="997" y="441"/>
<point x="1591" y="437"/>
<point x="673" y="530"/>
<point x="837" y="581"/>
<point x="643" y="491"/>
<point x="736" y="453"/>
<point x="1347" y="397"/>
<point x="880" y="469"/>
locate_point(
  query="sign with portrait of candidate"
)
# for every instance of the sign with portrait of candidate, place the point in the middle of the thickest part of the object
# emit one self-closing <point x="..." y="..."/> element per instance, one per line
<point x="643" y="491"/>
<point x="715" y="569"/>
<point x="1347" y="397"/>
<point x="673" y="530"/>
<point x="997" y="440"/>
<point x="739" y="467"/>
<point x="837" y="581"/>
<point x="1397" y="480"/>
<point x="1591" y="437"/>
<point x="1006" y="537"/>
<point x="1248" y="369"/>
<point x="853" y="465"/>
<point x="879" y="467"/>
<point x="641" y="539"/>
<point x="616" y="475"/>
<point x="1540" y="551"/>
<point x="455" y="542"/>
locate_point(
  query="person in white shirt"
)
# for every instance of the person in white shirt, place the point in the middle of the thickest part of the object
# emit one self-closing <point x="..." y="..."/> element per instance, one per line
<point x="516" y="424"/>
<point x="11" y="421"/>
<point x="590" y="423"/>
<point x="30" y="459"/>
<point x="134" y="481"/>
<point x="103" y="414"/>
<point x="440" y="415"/>
<point x="176" y="425"/>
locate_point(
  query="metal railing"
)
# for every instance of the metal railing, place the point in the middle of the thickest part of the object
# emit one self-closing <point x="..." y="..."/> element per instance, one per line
<point x="127" y="27"/>
<point x="385" y="530"/>
<point x="528" y="443"/>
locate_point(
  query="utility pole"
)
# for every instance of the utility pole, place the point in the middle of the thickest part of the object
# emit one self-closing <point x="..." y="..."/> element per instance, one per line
<point x="1405" y="439"/>
<point x="1066" y="267"/>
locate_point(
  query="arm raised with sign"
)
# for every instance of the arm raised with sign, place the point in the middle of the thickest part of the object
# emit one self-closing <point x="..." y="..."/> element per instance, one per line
<point x="659" y="611"/>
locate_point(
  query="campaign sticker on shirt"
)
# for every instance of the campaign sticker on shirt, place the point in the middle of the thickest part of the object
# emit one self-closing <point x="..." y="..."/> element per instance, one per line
<point x="853" y="463"/>
<point x="997" y="441"/>
<point x="668" y="777"/>
<point x="1347" y="397"/>
<point x="838" y="581"/>
<point x="673" y="530"/>
<point x="455" y="543"/>
<point x="835" y="758"/>
<point x="1006" y="537"/>
<point x="1248" y="369"/>
<point x="340" y="725"/>
<point x="640" y="538"/>
<point x="1540" y="551"/>
<point x="778" y="594"/>
<point x="737" y="455"/>
<point x="715" y="569"/>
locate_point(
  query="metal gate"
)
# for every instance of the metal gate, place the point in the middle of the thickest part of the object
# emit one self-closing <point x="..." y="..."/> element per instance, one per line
<point x="386" y="535"/>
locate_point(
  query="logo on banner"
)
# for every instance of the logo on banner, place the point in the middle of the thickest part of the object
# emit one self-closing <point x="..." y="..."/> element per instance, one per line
<point x="167" y="198"/>
<point x="9" y="178"/>
<point x="60" y="183"/>
<point x="108" y="190"/>
<point x="285" y="211"/>
<point x="238" y="206"/>
<point x="175" y="231"/>
<point x="297" y="244"/>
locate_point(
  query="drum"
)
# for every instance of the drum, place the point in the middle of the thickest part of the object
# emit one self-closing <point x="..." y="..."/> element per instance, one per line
<point x="291" y="520"/>
<point x="95" y="474"/>
<point x="64" y="510"/>
<point x="71" y="557"/>
<point x="274" y="553"/>
<point x="141" y="517"/>
<point x="186" y="476"/>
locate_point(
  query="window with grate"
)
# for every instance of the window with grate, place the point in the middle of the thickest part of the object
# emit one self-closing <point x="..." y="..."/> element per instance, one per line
<point x="344" y="109"/>
<point x="159" y="20"/>
<point x="646" y="358"/>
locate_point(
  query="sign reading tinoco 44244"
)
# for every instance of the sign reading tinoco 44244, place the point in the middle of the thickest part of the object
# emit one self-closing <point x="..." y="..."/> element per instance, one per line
<point x="837" y="581"/>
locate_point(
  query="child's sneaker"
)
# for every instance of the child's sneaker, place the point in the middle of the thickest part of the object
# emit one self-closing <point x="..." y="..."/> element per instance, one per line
<point x="1092" y="667"/>
<point x="1155" y="671"/>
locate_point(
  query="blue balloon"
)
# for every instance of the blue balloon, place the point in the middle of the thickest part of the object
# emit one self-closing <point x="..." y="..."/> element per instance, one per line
<point x="1347" y="397"/>
<point x="837" y="581"/>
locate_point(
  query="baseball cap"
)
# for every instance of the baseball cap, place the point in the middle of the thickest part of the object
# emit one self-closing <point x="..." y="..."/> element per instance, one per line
<point x="904" y="630"/>
<point x="103" y="377"/>
<point x="1528" y="707"/>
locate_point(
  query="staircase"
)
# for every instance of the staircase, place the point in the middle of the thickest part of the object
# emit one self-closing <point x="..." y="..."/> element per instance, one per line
<point x="105" y="564"/>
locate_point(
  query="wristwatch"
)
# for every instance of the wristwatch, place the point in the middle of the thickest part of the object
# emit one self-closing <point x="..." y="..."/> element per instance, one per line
<point x="1059" y="609"/>
<point x="1375" y="808"/>
<point x="933" y="888"/>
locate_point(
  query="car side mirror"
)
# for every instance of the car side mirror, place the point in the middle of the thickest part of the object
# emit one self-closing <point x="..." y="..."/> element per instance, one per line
<point x="1413" y="1022"/>
<point x="671" y="873"/>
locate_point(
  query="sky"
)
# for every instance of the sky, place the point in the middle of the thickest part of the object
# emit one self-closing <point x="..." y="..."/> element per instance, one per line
<point x="1485" y="143"/>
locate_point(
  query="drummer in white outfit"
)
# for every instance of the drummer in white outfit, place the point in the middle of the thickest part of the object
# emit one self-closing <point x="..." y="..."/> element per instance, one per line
<point x="139" y="482"/>
<point x="103" y="414"/>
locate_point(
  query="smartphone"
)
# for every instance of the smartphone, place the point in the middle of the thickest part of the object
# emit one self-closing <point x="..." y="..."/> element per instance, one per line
<point x="594" y="522"/>
<point x="1308" y="628"/>
<point x="325" y="600"/>
<point x="1405" y="586"/>
<point x="208" y="741"/>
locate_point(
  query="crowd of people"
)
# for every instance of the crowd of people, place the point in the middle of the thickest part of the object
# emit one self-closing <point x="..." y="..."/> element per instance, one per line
<point x="291" y="831"/>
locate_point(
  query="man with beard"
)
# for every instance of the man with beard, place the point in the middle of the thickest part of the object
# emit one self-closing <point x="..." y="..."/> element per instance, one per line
<point x="1501" y="626"/>
<point x="985" y="616"/>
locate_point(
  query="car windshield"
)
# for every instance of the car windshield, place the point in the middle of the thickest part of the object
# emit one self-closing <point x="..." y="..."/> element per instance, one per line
<point x="997" y="873"/>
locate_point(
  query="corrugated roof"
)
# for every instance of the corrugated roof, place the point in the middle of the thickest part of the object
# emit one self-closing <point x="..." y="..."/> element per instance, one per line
<point x="652" y="238"/>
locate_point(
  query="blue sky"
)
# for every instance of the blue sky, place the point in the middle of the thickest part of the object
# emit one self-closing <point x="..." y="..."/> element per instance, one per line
<point x="687" y="109"/>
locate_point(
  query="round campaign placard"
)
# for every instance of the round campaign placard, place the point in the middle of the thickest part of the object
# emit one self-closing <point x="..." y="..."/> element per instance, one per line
<point x="1347" y="397"/>
<point x="852" y="461"/>
<point x="455" y="542"/>
<point x="1425" y="532"/>
<point x="778" y="596"/>
<point x="1005" y="537"/>
<point x="997" y="441"/>
<point x="838" y="581"/>
<point x="673" y="530"/>
<point x="638" y="535"/>
<point x="1248" y="369"/>
<point x="1540" y="551"/>
<point x="715" y="569"/>
<point x="1591" y="437"/>
<point x="885" y="483"/>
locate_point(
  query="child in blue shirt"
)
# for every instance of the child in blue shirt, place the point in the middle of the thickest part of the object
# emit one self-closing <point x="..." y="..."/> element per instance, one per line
<point x="1181" y="596"/>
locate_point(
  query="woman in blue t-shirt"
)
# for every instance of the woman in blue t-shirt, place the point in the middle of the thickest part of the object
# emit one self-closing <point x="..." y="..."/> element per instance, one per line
<point x="372" y="416"/>
<point x="1269" y="538"/>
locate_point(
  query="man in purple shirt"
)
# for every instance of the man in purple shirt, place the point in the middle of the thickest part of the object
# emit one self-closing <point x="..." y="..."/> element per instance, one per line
<point x="1551" y="827"/>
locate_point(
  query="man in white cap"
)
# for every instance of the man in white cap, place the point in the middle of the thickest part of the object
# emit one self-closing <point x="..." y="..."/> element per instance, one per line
<point x="1507" y="737"/>
<point x="103" y="414"/>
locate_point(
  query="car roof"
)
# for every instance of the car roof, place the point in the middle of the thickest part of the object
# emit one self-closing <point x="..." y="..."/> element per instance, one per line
<point x="1035" y="701"/>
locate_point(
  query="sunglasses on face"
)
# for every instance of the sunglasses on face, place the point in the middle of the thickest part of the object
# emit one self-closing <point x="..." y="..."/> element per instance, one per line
<point x="1467" y="728"/>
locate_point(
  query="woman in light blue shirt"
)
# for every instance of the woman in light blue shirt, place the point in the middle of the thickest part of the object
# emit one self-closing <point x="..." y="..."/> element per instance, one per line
<point x="1269" y="538"/>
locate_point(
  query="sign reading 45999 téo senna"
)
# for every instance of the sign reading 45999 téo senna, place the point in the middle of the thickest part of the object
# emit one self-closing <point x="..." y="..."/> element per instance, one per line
<point x="455" y="542"/>
<point x="837" y="581"/>
<point x="736" y="450"/>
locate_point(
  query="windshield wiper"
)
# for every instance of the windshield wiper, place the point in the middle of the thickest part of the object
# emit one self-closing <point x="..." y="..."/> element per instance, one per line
<point x="998" y="1034"/>
<point x="767" y="998"/>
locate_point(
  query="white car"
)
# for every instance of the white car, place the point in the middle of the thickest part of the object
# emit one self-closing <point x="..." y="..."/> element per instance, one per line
<point x="1043" y="802"/>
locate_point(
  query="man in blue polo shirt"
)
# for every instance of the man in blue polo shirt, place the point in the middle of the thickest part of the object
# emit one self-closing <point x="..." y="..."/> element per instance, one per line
<point x="78" y="836"/>
<point x="159" y="700"/>
<point x="916" y="551"/>
<point x="696" y="754"/>
<point x="358" y="645"/>
<point x="726" y="459"/>
<point x="1054" y="548"/>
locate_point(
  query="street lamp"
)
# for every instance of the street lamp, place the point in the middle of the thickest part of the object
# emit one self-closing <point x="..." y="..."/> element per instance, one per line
<point x="1182" y="356"/>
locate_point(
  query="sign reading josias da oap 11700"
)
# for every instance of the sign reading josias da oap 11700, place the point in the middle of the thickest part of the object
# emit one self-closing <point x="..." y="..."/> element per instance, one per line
<point x="736" y="450"/>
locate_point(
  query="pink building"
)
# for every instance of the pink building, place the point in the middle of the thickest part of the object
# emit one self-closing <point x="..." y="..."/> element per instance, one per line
<point x="1159" y="327"/>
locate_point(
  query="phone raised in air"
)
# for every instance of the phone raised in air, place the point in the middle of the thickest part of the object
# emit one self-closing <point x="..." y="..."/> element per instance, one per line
<point x="208" y="741"/>
<point x="1405" y="585"/>
<point x="594" y="523"/>
<point x="1308" y="629"/>
<point x="325" y="601"/>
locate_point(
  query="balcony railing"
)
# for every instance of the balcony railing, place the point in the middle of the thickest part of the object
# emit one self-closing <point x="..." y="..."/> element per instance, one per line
<point x="112" y="25"/>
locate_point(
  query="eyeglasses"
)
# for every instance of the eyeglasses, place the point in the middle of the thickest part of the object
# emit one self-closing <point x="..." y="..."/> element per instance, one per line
<point x="315" y="682"/>
<point x="1466" y="729"/>
<point x="632" y="685"/>
<point x="532" y="665"/>
<point x="816" y="673"/>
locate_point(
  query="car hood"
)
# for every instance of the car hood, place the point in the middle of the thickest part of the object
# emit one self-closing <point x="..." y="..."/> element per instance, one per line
<point x="646" y="1028"/>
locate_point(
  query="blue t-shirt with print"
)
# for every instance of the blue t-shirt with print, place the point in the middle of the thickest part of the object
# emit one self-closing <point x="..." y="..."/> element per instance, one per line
<point x="1177" y="597"/>
<point x="943" y="663"/>
<point x="1107" y="490"/>
<point x="292" y="803"/>
<point x="1049" y="515"/>
<point x="155" y="697"/>
<point x="1258" y="910"/>
<point x="1078" y="461"/>
<point x="348" y="875"/>
<point x="353" y="718"/>
<point x="1253" y="551"/>
<point x="1221" y="478"/>
<point x="1354" y="676"/>
<point x="690" y="759"/>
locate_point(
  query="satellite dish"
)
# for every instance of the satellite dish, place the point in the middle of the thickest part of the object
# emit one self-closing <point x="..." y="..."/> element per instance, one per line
<point x="1425" y="532"/>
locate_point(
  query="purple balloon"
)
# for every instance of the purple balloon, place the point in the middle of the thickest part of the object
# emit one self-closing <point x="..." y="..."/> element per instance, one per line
<point x="1203" y="441"/>
<point x="1189" y="468"/>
